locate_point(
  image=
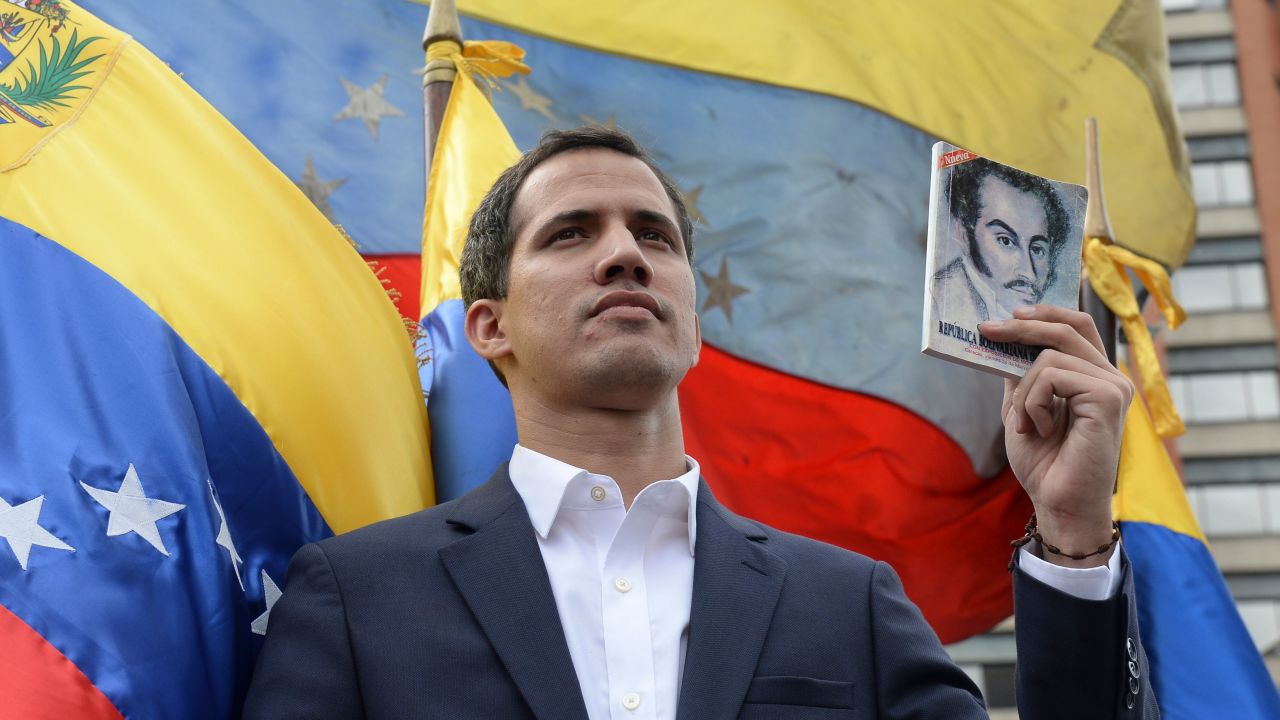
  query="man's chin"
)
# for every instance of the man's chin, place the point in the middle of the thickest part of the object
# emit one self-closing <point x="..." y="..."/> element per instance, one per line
<point x="633" y="369"/>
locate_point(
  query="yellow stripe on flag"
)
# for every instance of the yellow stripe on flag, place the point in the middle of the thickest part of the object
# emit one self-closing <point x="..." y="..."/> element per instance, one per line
<point x="472" y="150"/>
<point x="1150" y="490"/>
<point x="1010" y="80"/>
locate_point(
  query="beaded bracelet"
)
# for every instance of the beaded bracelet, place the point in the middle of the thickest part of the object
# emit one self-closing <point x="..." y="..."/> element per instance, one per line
<point x="1033" y="533"/>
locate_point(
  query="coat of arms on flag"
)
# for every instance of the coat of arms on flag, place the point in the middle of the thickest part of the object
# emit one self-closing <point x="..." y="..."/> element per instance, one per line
<point x="48" y="67"/>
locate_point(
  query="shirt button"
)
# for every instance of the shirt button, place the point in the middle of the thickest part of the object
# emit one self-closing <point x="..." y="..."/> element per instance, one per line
<point x="598" y="494"/>
<point x="631" y="701"/>
<point x="624" y="585"/>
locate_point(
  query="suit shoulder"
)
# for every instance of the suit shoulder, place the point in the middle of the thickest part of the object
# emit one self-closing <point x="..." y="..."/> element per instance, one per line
<point x="799" y="549"/>
<point x="417" y="531"/>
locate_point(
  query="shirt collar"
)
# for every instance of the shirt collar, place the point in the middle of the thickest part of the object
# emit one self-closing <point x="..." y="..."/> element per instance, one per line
<point x="542" y="480"/>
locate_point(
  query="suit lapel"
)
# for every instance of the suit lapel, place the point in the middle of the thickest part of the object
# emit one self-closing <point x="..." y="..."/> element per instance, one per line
<point x="736" y="583"/>
<point x="498" y="568"/>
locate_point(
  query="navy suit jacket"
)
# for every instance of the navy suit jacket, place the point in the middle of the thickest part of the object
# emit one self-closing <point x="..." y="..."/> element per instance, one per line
<point x="448" y="613"/>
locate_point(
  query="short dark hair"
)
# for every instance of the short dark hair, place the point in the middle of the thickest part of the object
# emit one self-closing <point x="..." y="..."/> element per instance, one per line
<point x="486" y="255"/>
<point x="966" y="204"/>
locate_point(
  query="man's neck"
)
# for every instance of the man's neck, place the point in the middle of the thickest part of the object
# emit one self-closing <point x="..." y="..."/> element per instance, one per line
<point x="634" y="447"/>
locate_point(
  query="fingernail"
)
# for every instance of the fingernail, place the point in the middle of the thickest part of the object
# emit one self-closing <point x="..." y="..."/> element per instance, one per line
<point x="992" y="324"/>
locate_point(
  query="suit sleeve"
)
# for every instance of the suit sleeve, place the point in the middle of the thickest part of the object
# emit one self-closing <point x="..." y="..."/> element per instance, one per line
<point x="306" y="669"/>
<point x="915" y="678"/>
<point x="1080" y="658"/>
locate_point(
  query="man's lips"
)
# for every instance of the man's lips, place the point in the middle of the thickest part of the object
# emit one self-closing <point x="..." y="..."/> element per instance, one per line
<point x="624" y="299"/>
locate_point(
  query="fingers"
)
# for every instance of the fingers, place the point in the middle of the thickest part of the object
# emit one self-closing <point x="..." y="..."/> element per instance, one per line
<point x="1081" y="321"/>
<point x="1067" y="331"/>
<point x="1083" y="384"/>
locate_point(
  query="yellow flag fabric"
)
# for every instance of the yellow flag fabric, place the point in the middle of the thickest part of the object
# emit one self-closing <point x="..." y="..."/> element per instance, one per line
<point x="1106" y="264"/>
<point x="1009" y="80"/>
<point x="1149" y="489"/>
<point x="473" y="148"/>
<point x="135" y="173"/>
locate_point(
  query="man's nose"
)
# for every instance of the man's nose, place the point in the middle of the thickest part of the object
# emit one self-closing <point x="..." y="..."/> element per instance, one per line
<point x="622" y="259"/>
<point x="1026" y="266"/>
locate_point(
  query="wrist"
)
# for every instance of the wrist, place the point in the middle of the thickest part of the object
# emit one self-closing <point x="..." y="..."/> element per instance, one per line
<point x="1077" y="542"/>
<point x="1090" y="524"/>
<point x="1091" y="561"/>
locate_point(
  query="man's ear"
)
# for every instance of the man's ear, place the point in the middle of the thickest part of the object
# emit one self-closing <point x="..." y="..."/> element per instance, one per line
<point x="483" y="325"/>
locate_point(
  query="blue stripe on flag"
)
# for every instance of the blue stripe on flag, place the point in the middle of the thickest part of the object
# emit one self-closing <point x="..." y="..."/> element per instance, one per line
<point x="1192" y="631"/>
<point x="473" y="428"/>
<point x="91" y="382"/>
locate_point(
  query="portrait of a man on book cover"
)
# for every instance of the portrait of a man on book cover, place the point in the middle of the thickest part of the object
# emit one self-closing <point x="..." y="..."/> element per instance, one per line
<point x="999" y="238"/>
<point x="1010" y="231"/>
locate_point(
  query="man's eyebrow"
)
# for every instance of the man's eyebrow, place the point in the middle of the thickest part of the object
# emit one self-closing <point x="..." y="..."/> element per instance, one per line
<point x="568" y="216"/>
<point x="1002" y="224"/>
<point x="657" y="218"/>
<point x="652" y="217"/>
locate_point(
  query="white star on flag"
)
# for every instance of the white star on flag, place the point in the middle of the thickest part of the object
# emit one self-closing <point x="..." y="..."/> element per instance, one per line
<point x="18" y="525"/>
<point x="132" y="511"/>
<point x="271" y="593"/>
<point x="224" y="537"/>
<point x="368" y="104"/>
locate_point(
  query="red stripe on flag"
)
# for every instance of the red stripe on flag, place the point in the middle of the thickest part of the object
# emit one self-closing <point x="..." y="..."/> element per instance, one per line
<point x="861" y="473"/>
<point x="404" y="273"/>
<point x="37" y="681"/>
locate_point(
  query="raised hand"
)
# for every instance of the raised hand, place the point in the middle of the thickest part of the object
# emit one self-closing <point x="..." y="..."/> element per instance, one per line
<point x="1063" y="423"/>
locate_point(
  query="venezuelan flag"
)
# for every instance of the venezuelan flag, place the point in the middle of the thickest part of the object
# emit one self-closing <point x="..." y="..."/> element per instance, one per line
<point x="800" y="133"/>
<point x="471" y="417"/>
<point x="1203" y="662"/>
<point x="198" y="374"/>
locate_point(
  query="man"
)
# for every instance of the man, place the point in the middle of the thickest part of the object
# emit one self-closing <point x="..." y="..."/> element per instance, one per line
<point x="597" y="577"/>
<point x="1010" y="227"/>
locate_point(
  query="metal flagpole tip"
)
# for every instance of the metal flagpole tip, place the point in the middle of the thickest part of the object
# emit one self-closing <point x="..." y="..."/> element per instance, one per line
<point x="442" y="23"/>
<point x="1096" y="222"/>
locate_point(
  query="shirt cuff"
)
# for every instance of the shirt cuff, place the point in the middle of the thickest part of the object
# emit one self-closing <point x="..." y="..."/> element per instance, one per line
<point x="1095" y="583"/>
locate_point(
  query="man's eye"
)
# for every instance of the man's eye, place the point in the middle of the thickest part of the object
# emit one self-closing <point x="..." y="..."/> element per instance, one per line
<point x="566" y="234"/>
<point x="1038" y="249"/>
<point x="654" y="236"/>
<point x="1006" y="240"/>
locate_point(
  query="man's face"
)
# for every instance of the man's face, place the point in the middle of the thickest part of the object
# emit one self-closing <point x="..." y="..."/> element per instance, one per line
<point x="600" y="300"/>
<point x="1011" y="242"/>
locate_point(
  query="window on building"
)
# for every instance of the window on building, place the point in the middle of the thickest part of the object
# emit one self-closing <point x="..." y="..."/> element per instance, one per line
<point x="1184" y="5"/>
<point x="1218" y="147"/>
<point x="1222" y="183"/>
<point x="1202" y="50"/>
<point x="1227" y="397"/>
<point x="1216" y="288"/>
<point x="1200" y="85"/>
<point x="1237" y="508"/>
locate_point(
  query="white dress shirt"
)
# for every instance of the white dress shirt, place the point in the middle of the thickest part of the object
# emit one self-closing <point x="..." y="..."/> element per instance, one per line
<point x="623" y="579"/>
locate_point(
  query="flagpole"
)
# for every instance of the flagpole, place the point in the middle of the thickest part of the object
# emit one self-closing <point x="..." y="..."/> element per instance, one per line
<point x="1097" y="225"/>
<point x="437" y="82"/>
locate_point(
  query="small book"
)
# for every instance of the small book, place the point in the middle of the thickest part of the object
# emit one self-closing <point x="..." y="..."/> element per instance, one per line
<point x="999" y="237"/>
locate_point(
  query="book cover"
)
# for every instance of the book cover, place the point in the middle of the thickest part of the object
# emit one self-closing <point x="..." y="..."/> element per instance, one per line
<point x="999" y="238"/>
